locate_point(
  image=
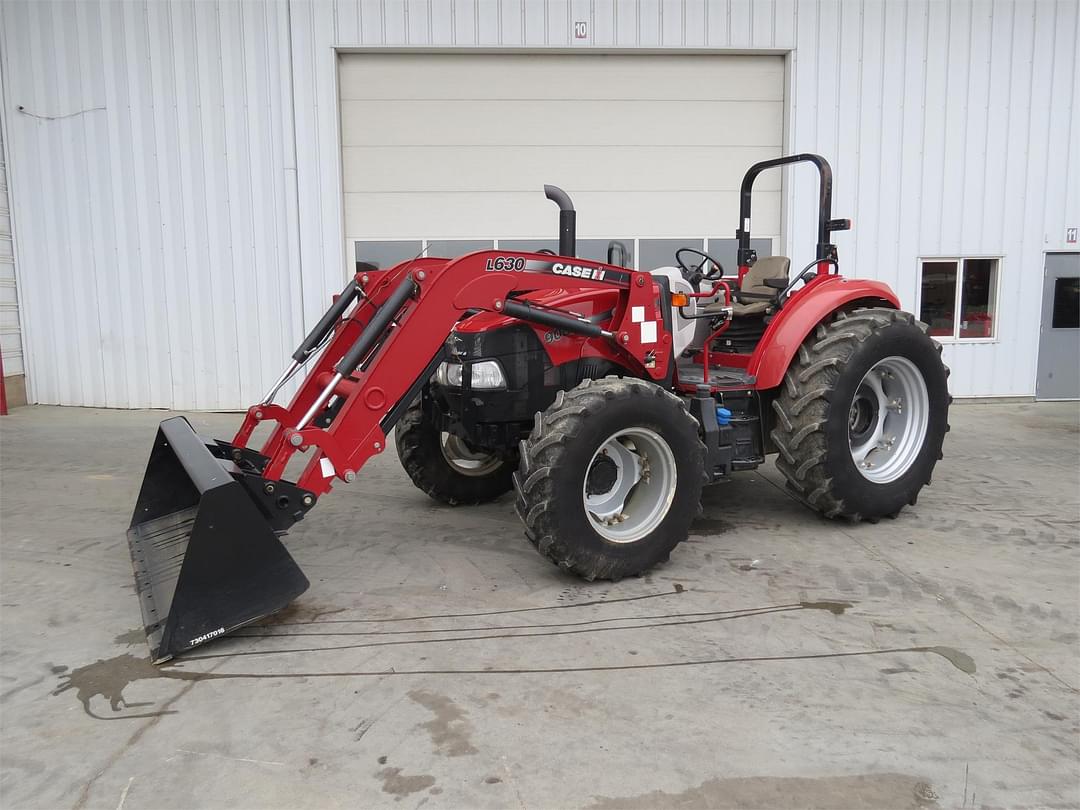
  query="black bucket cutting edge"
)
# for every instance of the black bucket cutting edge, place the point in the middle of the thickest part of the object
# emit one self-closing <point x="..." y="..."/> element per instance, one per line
<point x="206" y="555"/>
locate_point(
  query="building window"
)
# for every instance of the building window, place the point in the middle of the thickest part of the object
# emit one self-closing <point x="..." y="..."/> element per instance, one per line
<point x="452" y="248"/>
<point x="621" y="250"/>
<point x="1066" y="303"/>
<point x="384" y="254"/>
<point x="654" y="253"/>
<point x="958" y="298"/>
<point x="726" y="251"/>
<point x="529" y="245"/>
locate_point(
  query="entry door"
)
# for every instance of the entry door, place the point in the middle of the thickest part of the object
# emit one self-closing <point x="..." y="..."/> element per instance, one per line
<point x="1059" y="343"/>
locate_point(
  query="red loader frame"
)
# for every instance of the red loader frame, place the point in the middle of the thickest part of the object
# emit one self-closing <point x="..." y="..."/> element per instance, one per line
<point x="394" y="335"/>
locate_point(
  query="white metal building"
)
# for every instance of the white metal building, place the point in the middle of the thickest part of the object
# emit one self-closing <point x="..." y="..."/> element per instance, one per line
<point x="189" y="181"/>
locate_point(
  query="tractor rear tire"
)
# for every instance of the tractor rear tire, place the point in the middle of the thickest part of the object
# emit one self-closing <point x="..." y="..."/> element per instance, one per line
<point x="862" y="415"/>
<point x="610" y="478"/>
<point x="443" y="466"/>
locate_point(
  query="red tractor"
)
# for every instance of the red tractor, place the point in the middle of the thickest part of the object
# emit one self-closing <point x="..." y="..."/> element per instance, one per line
<point x="605" y="396"/>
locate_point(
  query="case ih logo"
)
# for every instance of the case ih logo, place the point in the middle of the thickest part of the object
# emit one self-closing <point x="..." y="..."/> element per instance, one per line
<point x="577" y="271"/>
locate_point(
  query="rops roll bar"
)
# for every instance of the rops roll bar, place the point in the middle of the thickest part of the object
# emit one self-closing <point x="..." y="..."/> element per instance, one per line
<point x="826" y="251"/>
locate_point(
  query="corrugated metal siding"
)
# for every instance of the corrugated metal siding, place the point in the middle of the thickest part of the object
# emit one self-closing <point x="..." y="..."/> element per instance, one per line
<point x="952" y="128"/>
<point x="150" y="179"/>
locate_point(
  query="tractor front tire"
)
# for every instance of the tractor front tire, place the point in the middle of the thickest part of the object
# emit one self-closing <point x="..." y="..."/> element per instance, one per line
<point x="862" y="414"/>
<point x="443" y="466"/>
<point x="610" y="478"/>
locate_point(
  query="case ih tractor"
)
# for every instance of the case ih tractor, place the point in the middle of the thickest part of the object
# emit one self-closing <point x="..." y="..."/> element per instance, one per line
<point x="605" y="397"/>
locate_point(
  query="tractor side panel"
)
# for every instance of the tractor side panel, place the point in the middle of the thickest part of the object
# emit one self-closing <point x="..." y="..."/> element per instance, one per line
<point x="805" y="310"/>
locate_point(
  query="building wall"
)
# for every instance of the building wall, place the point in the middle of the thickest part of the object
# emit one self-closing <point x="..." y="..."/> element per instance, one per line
<point x="182" y="220"/>
<point x="154" y="194"/>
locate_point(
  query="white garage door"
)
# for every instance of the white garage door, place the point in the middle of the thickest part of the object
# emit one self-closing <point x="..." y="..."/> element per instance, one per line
<point x="451" y="152"/>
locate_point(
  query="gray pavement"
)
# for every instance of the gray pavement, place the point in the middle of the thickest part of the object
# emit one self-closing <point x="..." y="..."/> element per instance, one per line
<point x="778" y="659"/>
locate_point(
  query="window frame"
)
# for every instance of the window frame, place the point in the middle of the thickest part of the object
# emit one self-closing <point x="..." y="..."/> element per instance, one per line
<point x="350" y="243"/>
<point x="955" y="338"/>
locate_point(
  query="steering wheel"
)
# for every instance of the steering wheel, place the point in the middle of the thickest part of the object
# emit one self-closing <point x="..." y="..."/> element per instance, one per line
<point x="694" y="276"/>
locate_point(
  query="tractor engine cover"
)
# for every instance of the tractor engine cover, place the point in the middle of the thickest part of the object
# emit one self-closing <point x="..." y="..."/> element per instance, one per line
<point x="536" y="361"/>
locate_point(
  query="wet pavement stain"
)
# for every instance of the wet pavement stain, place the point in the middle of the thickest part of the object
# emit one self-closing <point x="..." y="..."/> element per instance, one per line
<point x="962" y="661"/>
<point x="709" y="526"/>
<point x="897" y="670"/>
<point x="400" y="786"/>
<point x="449" y="729"/>
<point x="891" y="790"/>
<point x="835" y="608"/>
<point x="109" y="677"/>
<point x="132" y="638"/>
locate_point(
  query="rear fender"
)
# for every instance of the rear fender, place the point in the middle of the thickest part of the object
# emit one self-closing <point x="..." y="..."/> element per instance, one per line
<point x="808" y="307"/>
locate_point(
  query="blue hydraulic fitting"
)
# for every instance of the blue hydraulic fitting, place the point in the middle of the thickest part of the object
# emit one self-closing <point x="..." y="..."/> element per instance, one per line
<point x="723" y="416"/>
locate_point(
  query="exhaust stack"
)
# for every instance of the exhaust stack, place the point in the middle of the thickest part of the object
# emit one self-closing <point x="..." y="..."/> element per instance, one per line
<point x="567" y="220"/>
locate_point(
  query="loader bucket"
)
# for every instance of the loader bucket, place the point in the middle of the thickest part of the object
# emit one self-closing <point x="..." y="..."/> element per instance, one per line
<point x="207" y="559"/>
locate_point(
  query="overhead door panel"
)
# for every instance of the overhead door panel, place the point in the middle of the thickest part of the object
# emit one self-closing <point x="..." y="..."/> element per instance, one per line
<point x="458" y="146"/>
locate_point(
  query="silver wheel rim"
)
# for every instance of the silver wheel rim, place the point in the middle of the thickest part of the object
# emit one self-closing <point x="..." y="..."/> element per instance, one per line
<point x="466" y="461"/>
<point x="888" y="419"/>
<point x="629" y="485"/>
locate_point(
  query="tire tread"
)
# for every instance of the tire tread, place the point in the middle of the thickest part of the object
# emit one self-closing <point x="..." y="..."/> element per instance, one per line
<point x="803" y="404"/>
<point x="542" y="455"/>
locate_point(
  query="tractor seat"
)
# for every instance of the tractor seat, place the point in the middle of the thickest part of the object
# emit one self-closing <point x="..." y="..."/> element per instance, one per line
<point x="771" y="267"/>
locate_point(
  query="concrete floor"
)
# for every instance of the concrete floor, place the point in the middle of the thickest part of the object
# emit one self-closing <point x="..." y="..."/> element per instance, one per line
<point x="446" y="664"/>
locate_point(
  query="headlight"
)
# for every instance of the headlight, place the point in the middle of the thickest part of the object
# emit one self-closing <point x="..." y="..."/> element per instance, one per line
<point x="486" y="374"/>
<point x="449" y="374"/>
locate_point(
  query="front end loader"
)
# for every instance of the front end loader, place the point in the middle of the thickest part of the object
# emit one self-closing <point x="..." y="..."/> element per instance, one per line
<point x="604" y="396"/>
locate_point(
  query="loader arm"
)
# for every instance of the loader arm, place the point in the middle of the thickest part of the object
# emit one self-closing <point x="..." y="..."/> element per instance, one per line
<point x="381" y="353"/>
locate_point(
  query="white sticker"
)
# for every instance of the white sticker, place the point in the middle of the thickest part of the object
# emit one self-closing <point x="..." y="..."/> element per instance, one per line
<point x="637" y="314"/>
<point x="648" y="332"/>
<point x="327" y="467"/>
